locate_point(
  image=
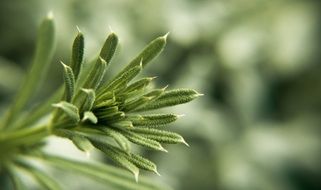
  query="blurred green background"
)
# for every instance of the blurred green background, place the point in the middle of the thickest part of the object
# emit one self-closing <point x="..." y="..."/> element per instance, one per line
<point x="258" y="127"/>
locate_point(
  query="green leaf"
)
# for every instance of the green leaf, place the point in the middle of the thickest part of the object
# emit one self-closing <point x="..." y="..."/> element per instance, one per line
<point x="105" y="103"/>
<point x="106" y="111"/>
<point x="138" y="85"/>
<point x="38" y="70"/>
<point x="107" y="174"/>
<point x="152" y="50"/>
<point x="39" y="111"/>
<point x="122" y="124"/>
<point x="117" y="157"/>
<point x="136" y="103"/>
<point x="160" y="135"/>
<point x="122" y="80"/>
<point x="15" y="178"/>
<point x="80" y="139"/>
<point x="44" y="180"/>
<point x="154" y="120"/>
<point x="143" y="163"/>
<point x="77" y="53"/>
<point x="85" y="100"/>
<point x="81" y="142"/>
<point x="171" y="98"/>
<point x="140" y="140"/>
<point x="110" y="119"/>
<point x="69" y="109"/>
<point x="69" y="79"/>
<point x="120" y="139"/>
<point x="109" y="47"/>
<point x="89" y="116"/>
<point x="96" y="74"/>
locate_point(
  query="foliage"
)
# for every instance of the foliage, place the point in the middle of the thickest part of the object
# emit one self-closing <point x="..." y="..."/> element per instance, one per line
<point x="91" y="112"/>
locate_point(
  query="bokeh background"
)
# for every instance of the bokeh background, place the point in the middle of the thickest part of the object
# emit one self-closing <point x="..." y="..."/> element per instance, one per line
<point x="258" y="127"/>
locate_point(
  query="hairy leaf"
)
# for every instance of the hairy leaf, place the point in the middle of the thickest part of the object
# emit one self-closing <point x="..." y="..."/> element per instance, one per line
<point x="69" y="79"/>
<point x="96" y="74"/>
<point x="171" y="98"/>
<point x="69" y="109"/>
<point x="140" y="140"/>
<point x="122" y="80"/>
<point x="117" y="157"/>
<point x="89" y="116"/>
<point x="152" y="50"/>
<point x="160" y="135"/>
<point x="119" y="138"/>
<point x="77" y="54"/>
<point x="154" y="120"/>
<point x="109" y="47"/>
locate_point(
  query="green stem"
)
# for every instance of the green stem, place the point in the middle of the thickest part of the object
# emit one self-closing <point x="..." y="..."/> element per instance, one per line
<point x="24" y="136"/>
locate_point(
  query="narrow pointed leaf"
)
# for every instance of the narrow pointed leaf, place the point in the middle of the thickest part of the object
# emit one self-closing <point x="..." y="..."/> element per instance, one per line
<point x="171" y="98"/>
<point x="90" y="116"/>
<point x="143" y="163"/>
<point x="154" y="120"/>
<point x="79" y="138"/>
<point x="77" y="54"/>
<point x="96" y="74"/>
<point x="160" y="135"/>
<point x="38" y="70"/>
<point x="117" y="157"/>
<point x="106" y="111"/>
<point x="136" y="103"/>
<point x="69" y="79"/>
<point x="69" y="109"/>
<point x="123" y="79"/>
<point x="152" y="50"/>
<point x="140" y="140"/>
<point x="112" y="118"/>
<point x="82" y="143"/>
<point x="89" y="100"/>
<point x="138" y="85"/>
<point x="122" y="124"/>
<point x="109" y="47"/>
<point x="120" y="139"/>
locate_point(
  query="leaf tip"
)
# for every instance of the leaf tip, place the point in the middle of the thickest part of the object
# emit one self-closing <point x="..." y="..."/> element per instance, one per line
<point x="136" y="175"/>
<point x="163" y="149"/>
<point x="180" y="115"/>
<point x="87" y="154"/>
<point x="50" y="15"/>
<point x="102" y="60"/>
<point x="184" y="142"/>
<point x="152" y="78"/>
<point x="199" y="94"/>
<point x="78" y="29"/>
<point x="156" y="172"/>
<point x="165" y="36"/>
<point x="165" y="87"/>
<point x="63" y="64"/>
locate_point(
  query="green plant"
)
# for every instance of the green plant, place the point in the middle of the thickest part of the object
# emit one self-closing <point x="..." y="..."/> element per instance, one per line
<point x="91" y="112"/>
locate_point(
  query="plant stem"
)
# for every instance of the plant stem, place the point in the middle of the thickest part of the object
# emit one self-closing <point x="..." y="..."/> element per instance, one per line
<point x="24" y="136"/>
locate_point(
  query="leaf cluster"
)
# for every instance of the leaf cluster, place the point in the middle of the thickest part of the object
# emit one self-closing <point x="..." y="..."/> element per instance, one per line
<point x="91" y="112"/>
